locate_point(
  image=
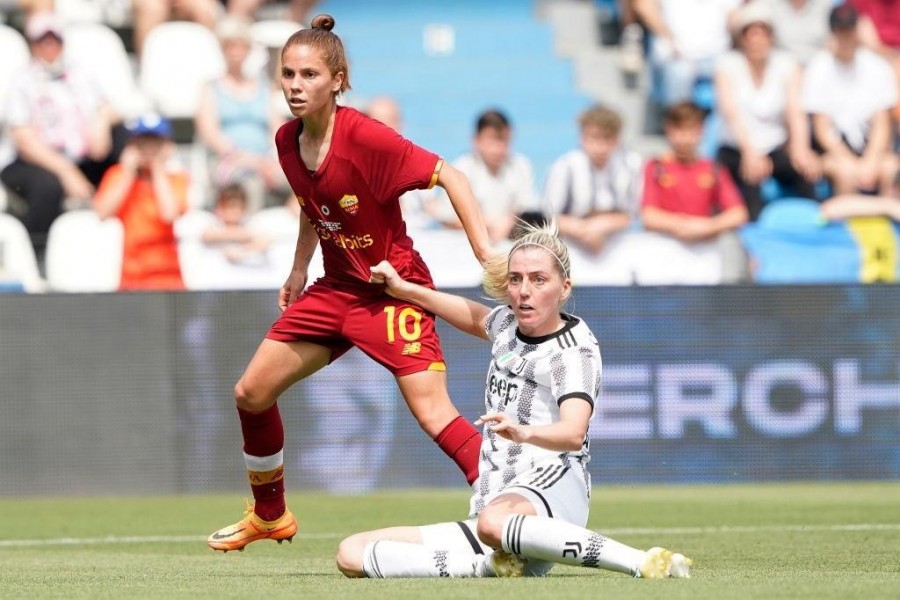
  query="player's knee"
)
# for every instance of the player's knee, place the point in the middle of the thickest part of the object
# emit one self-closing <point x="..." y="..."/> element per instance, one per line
<point x="247" y="399"/>
<point x="349" y="557"/>
<point x="490" y="526"/>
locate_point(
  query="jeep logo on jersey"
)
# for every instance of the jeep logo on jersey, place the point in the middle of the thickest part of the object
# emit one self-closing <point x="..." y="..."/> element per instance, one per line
<point x="350" y="204"/>
<point x="502" y="390"/>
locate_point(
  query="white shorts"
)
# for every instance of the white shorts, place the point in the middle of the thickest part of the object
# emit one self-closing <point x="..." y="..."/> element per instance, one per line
<point x="558" y="492"/>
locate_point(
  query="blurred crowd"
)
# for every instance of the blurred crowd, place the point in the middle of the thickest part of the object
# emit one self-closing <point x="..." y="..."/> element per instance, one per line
<point x="759" y="101"/>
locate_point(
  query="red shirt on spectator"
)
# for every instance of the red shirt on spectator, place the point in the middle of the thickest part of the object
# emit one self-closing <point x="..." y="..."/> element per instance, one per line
<point x="885" y="16"/>
<point x="701" y="188"/>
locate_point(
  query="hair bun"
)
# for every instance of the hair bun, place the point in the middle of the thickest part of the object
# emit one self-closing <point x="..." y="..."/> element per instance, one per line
<point x="323" y="21"/>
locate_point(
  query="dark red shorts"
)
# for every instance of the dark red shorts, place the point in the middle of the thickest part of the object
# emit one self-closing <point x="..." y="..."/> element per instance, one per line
<point x="399" y="335"/>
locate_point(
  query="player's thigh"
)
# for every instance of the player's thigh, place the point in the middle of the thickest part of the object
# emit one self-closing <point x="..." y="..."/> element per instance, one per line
<point x="555" y="490"/>
<point x="275" y="367"/>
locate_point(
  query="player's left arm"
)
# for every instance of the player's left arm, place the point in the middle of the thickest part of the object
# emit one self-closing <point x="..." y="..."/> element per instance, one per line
<point x="456" y="184"/>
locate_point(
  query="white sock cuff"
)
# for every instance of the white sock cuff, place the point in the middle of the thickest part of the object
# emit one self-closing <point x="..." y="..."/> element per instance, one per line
<point x="264" y="463"/>
<point x="511" y="532"/>
<point x="369" y="563"/>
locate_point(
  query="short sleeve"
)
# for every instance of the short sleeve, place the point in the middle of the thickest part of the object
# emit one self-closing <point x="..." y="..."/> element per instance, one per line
<point x="652" y="192"/>
<point x="575" y="373"/>
<point x="814" y="97"/>
<point x="498" y="320"/>
<point x="556" y="187"/>
<point x="18" y="111"/>
<point x="394" y="165"/>
<point x="728" y="196"/>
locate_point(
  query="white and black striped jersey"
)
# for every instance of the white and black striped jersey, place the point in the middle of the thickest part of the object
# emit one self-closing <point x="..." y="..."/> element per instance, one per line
<point x="529" y="377"/>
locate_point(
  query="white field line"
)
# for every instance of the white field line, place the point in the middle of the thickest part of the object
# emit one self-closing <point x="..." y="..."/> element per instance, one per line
<point x="193" y="539"/>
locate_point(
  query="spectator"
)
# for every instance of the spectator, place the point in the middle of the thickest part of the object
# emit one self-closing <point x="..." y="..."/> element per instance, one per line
<point x="230" y="235"/>
<point x="502" y="182"/>
<point x="631" y="44"/>
<point x="237" y="120"/>
<point x="594" y="191"/>
<point x="419" y="207"/>
<point x="688" y="35"/>
<point x="689" y="198"/>
<point x="765" y="132"/>
<point x="26" y="6"/>
<point x="879" y="28"/>
<point x="297" y="11"/>
<point x="800" y="26"/>
<point x="147" y="14"/>
<point x="61" y="127"/>
<point x="850" y="90"/>
<point x="147" y="193"/>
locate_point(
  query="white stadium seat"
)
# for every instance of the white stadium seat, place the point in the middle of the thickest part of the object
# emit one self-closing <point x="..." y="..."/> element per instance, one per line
<point x="84" y="253"/>
<point x="98" y="49"/>
<point x="14" y="50"/>
<point x="178" y="58"/>
<point x="18" y="265"/>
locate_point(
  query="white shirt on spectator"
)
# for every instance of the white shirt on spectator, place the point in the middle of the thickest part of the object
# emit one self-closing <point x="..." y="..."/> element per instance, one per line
<point x="59" y="106"/>
<point x="762" y="109"/>
<point x="849" y="93"/>
<point x="576" y="188"/>
<point x="699" y="27"/>
<point x="509" y="192"/>
<point x="801" y="31"/>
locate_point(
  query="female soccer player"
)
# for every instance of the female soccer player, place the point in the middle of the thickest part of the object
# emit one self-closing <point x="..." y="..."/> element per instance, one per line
<point x="531" y="500"/>
<point x="347" y="172"/>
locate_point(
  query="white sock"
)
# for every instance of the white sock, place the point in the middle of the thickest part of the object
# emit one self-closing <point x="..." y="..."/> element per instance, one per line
<point x="387" y="559"/>
<point x="561" y="542"/>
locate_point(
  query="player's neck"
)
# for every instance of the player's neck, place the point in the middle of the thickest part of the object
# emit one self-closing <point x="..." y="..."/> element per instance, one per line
<point x="318" y="126"/>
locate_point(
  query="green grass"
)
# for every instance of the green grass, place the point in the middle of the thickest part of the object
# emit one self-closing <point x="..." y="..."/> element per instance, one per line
<point x="747" y="541"/>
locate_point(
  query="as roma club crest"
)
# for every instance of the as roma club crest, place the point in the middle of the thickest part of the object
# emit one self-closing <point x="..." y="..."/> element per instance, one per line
<point x="350" y="204"/>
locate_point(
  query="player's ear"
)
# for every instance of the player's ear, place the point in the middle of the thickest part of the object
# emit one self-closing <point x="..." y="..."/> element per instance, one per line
<point x="566" y="292"/>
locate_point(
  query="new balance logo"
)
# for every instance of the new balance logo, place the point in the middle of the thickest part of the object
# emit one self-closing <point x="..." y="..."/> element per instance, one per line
<point x="412" y="348"/>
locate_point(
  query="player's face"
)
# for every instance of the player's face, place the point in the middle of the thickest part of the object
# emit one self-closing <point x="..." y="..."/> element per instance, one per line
<point x="536" y="290"/>
<point x="307" y="82"/>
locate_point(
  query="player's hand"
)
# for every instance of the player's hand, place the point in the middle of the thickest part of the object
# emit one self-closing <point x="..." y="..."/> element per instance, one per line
<point x="291" y="289"/>
<point x="504" y="426"/>
<point x="384" y="273"/>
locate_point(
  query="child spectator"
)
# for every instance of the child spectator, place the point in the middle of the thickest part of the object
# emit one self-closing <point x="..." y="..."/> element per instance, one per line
<point x="147" y="194"/>
<point x="594" y="191"/>
<point x="502" y="181"/>
<point x="238" y="243"/>
<point x="689" y="198"/>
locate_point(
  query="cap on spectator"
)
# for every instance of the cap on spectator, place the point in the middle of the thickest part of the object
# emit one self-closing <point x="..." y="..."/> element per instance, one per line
<point x="42" y="24"/>
<point x="843" y="17"/>
<point x="150" y="125"/>
<point x="752" y="13"/>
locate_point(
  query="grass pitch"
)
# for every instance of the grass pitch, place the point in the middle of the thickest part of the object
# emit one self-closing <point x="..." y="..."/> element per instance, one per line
<point x="748" y="541"/>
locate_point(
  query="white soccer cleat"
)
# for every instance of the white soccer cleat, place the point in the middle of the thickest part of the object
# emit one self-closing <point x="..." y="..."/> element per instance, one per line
<point x="680" y="567"/>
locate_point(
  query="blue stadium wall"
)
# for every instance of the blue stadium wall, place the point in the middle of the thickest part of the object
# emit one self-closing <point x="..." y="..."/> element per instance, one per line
<point x="131" y="393"/>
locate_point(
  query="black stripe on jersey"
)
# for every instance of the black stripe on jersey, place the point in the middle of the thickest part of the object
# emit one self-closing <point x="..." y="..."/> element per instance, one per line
<point x="536" y="493"/>
<point x="550" y="484"/>
<point x="584" y="396"/>
<point x="545" y="476"/>
<point x="471" y="537"/>
<point x="567" y="340"/>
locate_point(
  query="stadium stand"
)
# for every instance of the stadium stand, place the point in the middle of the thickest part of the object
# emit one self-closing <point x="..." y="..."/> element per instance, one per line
<point x="84" y="253"/>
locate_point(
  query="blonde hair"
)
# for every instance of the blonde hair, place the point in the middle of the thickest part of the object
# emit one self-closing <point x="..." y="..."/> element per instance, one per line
<point x="495" y="280"/>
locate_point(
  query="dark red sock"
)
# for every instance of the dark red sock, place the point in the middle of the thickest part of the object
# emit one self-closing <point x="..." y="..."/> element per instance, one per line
<point x="462" y="442"/>
<point x="264" y="436"/>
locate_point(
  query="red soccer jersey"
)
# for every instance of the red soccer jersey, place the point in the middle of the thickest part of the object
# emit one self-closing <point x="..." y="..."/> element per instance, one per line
<point x="885" y="15"/>
<point x="352" y="199"/>
<point x="700" y="188"/>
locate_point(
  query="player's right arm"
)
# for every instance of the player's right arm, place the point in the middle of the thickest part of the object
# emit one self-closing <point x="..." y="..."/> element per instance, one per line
<point x="466" y="315"/>
<point x="456" y="184"/>
<point x="307" y="240"/>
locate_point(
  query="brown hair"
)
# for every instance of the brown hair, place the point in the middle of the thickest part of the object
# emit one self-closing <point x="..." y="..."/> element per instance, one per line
<point x="319" y="36"/>
<point x="233" y="192"/>
<point x="605" y="119"/>
<point x="684" y="114"/>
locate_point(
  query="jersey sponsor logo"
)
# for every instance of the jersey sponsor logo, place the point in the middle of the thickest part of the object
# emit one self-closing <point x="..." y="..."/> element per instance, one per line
<point x="502" y="391"/>
<point x="300" y="200"/>
<point x="706" y="180"/>
<point x="329" y="225"/>
<point x="352" y="242"/>
<point x="411" y="348"/>
<point x="350" y="204"/>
